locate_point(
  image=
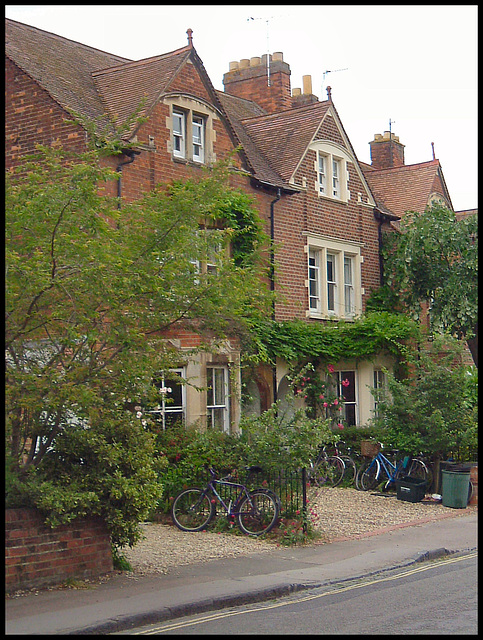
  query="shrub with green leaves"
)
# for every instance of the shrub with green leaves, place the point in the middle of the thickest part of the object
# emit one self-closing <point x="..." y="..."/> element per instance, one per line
<point x="433" y="410"/>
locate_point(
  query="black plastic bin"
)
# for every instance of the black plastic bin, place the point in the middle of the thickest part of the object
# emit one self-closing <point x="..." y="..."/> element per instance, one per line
<point x="410" y="489"/>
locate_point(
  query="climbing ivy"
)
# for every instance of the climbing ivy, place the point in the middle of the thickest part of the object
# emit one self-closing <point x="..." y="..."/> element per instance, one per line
<point x="300" y="341"/>
<point x="242" y="217"/>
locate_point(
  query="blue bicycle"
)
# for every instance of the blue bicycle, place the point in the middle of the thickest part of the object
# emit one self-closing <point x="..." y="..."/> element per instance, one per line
<point x="373" y="472"/>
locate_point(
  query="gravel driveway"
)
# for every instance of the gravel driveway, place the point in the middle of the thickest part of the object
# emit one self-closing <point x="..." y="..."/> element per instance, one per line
<point x="335" y="512"/>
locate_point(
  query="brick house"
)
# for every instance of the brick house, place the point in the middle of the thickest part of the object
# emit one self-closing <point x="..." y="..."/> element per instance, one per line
<point x="323" y="209"/>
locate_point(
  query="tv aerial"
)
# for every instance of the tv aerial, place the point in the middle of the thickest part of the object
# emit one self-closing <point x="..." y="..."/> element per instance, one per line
<point x="331" y="71"/>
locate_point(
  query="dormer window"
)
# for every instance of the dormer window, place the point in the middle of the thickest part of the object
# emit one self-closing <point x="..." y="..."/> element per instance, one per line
<point x="192" y="132"/>
<point x="322" y="174"/>
<point x="189" y="135"/>
<point x="332" y="170"/>
<point x="335" y="177"/>
<point x="179" y="134"/>
<point x="198" y="129"/>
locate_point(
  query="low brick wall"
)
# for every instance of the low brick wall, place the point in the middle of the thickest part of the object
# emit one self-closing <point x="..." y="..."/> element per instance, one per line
<point x="38" y="556"/>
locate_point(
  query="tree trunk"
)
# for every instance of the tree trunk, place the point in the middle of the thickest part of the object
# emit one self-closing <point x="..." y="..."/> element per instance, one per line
<point x="473" y="346"/>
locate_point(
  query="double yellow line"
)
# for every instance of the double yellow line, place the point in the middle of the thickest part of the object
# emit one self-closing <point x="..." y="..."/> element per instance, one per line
<point x="226" y="614"/>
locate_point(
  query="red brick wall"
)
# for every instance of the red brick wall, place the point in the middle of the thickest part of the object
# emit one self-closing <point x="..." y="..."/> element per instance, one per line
<point x="33" y="117"/>
<point x="387" y="153"/>
<point x="252" y="84"/>
<point x="38" y="556"/>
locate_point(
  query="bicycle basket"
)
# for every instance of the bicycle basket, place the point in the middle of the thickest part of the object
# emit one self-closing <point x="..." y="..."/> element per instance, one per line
<point x="370" y="448"/>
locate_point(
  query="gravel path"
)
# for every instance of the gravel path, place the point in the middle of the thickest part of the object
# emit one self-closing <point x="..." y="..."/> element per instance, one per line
<point x="336" y="513"/>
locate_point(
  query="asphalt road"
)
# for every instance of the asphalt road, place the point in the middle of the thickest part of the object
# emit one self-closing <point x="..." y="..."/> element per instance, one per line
<point x="435" y="597"/>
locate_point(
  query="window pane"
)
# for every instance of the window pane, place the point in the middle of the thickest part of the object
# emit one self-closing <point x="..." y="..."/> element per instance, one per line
<point x="178" y="133"/>
<point x="322" y="174"/>
<point x="219" y="386"/>
<point x="331" y="284"/>
<point x="335" y="178"/>
<point x="313" y="279"/>
<point x="347" y="386"/>
<point x="198" y="138"/>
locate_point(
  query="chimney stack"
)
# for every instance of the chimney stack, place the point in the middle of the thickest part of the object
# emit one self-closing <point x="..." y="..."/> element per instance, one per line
<point x="300" y="99"/>
<point x="266" y="84"/>
<point x="386" y="151"/>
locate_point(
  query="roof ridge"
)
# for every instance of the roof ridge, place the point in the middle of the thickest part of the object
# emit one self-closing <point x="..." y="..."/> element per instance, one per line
<point x="435" y="163"/>
<point x="286" y="112"/>
<point x="129" y="64"/>
<point x="55" y="35"/>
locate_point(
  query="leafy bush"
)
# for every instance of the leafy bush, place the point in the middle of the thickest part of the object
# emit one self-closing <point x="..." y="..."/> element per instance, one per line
<point x="275" y="441"/>
<point x="107" y="469"/>
<point x="434" y="410"/>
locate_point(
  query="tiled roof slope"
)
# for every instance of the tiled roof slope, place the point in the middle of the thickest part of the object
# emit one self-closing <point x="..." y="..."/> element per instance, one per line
<point x="284" y="137"/>
<point x="61" y="66"/>
<point x="405" y="188"/>
<point x="238" y="110"/>
<point x="123" y="87"/>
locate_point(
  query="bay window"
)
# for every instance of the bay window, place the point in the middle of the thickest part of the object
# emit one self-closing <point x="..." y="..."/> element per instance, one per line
<point x="334" y="278"/>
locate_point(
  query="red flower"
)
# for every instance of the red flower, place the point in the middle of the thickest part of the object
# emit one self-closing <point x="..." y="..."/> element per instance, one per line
<point x="345" y="383"/>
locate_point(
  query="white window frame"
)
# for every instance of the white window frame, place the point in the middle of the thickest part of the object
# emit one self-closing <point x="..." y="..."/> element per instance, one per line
<point x="342" y="375"/>
<point x="331" y="282"/>
<point x="165" y="407"/>
<point x="218" y="398"/>
<point x="349" y="295"/>
<point x="341" y="295"/>
<point x="198" y="137"/>
<point x="381" y="388"/>
<point x="314" y="280"/>
<point x="336" y="171"/>
<point x="179" y="133"/>
<point x="322" y="173"/>
<point x="332" y="171"/>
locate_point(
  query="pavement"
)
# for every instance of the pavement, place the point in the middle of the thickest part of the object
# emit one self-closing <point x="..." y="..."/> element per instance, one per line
<point x="123" y="602"/>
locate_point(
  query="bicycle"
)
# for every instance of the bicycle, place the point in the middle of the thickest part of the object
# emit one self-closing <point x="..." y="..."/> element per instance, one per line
<point x="343" y="451"/>
<point x="326" y="470"/>
<point x="372" y="472"/>
<point x="255" y="512"/>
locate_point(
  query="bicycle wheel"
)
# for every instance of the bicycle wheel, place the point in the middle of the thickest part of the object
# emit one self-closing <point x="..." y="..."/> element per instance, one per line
<point x="258" y="513"/>
<point x="350" y="470"/>
<point x="328" y="472"/>
<point x="192" y="510"/>
<point x="368" y="475"/>
<point x="418" y="469"/>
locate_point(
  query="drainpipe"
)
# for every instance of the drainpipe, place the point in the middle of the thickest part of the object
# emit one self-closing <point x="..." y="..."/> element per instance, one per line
<point x="380" y="221"/>
<point x="272" y="279"/>
<point x="132" y="156"/>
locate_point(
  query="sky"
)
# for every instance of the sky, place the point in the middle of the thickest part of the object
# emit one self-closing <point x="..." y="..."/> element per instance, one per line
<point x="408" y="68"/>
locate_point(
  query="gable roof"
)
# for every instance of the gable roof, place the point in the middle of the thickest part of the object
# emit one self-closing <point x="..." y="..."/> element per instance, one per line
<point x="283" y="137"/>
<point x="94" y="83"/>
<point x="406" y="188"/>
<point x="122" y="88"/>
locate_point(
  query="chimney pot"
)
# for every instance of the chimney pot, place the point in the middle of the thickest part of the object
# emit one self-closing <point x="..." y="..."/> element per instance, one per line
<point x="254" y="62"/>
<point x="307" y="84"/>
<point x="278" y="55"/>
<point x="244" y="63"/>
<point x="297" y="92"/>
<point x="233" y="66"/>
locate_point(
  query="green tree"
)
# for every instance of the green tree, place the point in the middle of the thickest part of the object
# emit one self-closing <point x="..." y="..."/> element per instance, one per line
<point x="90" y="289"/>
<point x="434" y="260"/>
<point x="434" y="409"/>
